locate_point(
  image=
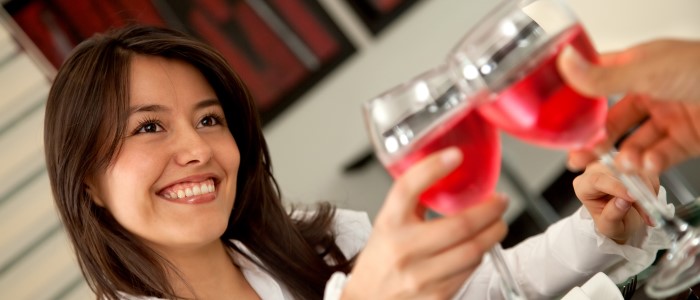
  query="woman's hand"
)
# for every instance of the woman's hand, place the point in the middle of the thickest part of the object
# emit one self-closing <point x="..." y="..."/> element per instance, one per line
<point x="409" y="257"/>
<point x="606" y="199"/>
<point x="662" y="98"/>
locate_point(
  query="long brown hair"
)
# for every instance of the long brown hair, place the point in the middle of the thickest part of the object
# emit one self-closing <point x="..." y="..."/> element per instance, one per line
<point x="85" y="121"/>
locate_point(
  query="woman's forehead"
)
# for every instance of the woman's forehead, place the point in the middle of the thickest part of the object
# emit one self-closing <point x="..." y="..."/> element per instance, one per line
<point x="158" y="80"/>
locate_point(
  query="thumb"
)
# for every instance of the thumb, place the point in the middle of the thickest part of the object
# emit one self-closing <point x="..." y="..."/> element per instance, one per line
<point x="611" y="220"/>
<point x="616" y="209"/>
<point x="618" y="74"/>
<point x="661" y="69"/>
<point x="403" y="197"/>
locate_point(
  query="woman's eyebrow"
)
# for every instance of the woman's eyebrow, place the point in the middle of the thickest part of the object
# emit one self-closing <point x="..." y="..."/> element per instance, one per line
<point x="147" y="108"/>
<point x="159" y="108"/>
<point x="207" y="103"/>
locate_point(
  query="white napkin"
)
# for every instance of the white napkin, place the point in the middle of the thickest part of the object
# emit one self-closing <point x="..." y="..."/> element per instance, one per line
<point x="598" y="287"/>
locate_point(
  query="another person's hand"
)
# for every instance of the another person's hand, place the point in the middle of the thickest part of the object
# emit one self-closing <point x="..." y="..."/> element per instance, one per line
<point x="409" y="257"/>
<point x="662" y="97"/>
<point x="613" y="211"/>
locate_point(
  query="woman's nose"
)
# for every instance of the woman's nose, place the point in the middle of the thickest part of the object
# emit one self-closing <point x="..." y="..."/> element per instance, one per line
<point x="192" y="148"/>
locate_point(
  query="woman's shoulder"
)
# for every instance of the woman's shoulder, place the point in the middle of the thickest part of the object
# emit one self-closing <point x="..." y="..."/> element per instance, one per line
<point x="351" y="218"/>
<point x="352" y="230"/>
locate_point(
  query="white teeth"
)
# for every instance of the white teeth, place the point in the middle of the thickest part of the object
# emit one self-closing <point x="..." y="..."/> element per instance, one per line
<point x="197" y="189"/>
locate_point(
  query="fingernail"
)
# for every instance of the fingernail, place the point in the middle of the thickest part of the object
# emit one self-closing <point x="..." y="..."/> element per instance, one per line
<point x="570" y="165"/>
<point x="622" y="204"/>
<point x="569" y="53"/>
<point x="601" y="148"/>
<point x="649" y="165"/>
<point x="626" y="164"/>
<point x="451" y="157"/>
<point x="501" y="197"/>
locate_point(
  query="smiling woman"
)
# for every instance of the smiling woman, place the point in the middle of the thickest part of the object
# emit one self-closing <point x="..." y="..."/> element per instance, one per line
<point x="161" y="175"/>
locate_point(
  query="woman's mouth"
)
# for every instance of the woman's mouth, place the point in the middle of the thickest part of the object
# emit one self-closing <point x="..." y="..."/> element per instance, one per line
<point x="190" y="192"/>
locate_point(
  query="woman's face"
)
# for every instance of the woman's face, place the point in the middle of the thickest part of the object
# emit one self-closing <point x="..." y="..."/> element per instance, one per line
<point x="173" y="183"/>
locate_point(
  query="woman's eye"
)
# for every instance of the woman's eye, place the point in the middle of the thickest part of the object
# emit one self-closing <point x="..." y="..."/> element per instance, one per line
<point x="209" y="121"/>
<point x="150" y="127"/>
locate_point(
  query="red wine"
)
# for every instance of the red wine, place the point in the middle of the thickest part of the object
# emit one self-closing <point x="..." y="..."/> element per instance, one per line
<point x="541" y="109"/>
<point x="474" y="179"/>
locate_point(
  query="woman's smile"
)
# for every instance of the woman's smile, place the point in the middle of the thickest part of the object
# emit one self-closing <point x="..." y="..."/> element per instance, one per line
<point x="192" y="190"/>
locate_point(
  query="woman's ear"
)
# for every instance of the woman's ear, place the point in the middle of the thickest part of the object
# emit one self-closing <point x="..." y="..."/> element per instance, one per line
<point x="91" y="189"/>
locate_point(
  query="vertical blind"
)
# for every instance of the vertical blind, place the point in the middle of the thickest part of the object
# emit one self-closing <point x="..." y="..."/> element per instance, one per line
<point x="36" y="259"/>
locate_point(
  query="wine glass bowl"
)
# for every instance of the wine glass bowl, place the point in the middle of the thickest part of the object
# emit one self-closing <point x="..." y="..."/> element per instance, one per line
<point x="514" y="64"/>
<point x="427" y="114"/>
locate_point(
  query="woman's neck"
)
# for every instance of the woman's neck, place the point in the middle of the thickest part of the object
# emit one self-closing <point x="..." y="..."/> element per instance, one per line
<point x="208" y="273"/>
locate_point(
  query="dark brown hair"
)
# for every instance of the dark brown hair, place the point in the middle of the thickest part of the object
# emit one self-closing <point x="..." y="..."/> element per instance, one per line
<point x="85" y="121"/>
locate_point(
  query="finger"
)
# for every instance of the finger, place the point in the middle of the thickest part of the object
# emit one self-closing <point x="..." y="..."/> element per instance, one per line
<point x="616" y="209"/>
<point x="651" y="181"/>
<point x="621" y="192"/>
<point x="624" y="116"/>
<point x="613" y="58"/>
<point x="663" y="155"/>
<point x="642" y="213"/>
<point x="460" y="258"/>
<point x="683" y="141"/>
<point x="598" y="182"/>
<point x="403" y="197"/>
<point x="631" y="149"/>
<point x="621" y="74"/>
<point x="443" y="233"/>
<point x="610" y="222"/>
<point x="578" y="160"/>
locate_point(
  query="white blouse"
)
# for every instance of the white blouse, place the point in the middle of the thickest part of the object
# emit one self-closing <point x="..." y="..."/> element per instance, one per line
<point x="547" y="265"/>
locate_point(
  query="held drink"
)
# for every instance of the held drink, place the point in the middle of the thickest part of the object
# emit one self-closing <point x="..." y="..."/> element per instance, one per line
<point x="540" y="108"/>
<point x="474" y="179"/>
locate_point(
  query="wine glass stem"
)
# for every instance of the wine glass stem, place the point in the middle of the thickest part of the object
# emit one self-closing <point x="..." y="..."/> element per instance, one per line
<point x="510" y="288"/>
<point x="647" y="199"/>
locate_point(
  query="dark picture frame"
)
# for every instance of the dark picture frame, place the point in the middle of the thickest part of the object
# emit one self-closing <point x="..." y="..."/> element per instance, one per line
<point x="378" y="14"/>
<point x="280" y="48"/>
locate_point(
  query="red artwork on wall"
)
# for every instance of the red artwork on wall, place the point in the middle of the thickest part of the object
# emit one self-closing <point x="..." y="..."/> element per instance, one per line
<point x="279" y="47"/>
<point x="378" y="14"/>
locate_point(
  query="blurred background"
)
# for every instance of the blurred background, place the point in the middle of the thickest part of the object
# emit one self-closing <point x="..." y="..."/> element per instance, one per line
<point x="310" y="65"/>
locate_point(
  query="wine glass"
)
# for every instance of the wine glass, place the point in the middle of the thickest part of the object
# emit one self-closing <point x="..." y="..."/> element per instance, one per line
<point x="509" y="59"/>
<point x="427" y="114"/>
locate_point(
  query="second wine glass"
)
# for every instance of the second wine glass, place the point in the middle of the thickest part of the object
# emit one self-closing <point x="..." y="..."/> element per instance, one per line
<point x="425" y="115"/>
